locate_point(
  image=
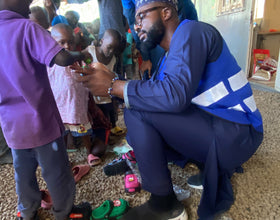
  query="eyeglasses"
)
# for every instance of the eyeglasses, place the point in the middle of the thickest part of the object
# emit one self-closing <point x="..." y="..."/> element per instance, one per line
<point x="141" y="15"/>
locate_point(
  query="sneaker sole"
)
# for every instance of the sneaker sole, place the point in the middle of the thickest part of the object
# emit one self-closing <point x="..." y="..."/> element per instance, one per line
<point x="182" y="216"/>
<point x="195" y="186"/>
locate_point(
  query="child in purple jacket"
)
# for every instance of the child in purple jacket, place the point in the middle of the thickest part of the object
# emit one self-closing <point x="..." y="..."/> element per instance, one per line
<point x="29" y="116"/>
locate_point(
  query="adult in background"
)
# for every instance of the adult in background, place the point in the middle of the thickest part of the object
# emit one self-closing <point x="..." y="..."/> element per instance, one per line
<point x="198" y="105"/>
<point x="111" y="17"/>
<point x="52" y="6"/>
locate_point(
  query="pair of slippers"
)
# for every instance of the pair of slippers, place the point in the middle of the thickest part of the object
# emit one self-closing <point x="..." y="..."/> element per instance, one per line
<point x="78" y="172"/>
<point x="110" y="210"/>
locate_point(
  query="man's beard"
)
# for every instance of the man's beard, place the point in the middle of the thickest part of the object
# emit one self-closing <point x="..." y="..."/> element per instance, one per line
<point x="154" y="36"/>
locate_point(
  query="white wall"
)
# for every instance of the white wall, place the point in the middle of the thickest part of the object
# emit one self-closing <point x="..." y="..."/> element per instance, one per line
<point x="234" y="27"/>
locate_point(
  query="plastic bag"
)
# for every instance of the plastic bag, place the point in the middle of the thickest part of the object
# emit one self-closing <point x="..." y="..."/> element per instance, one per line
<point x="266" y="69"/>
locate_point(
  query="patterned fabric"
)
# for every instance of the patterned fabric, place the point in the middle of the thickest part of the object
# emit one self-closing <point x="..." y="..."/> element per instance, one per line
<point x="140" y="3"/>
<point x="71" y="96"/>
<point x="78" y="130"/>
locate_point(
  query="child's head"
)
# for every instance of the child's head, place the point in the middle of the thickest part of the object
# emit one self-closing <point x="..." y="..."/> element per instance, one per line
<point x="40" y="16"/>
<point x="18" y="6"/>
<point x="64" y="35"/>
<point x="72" y="18"/>
<point x="111" y="43"/>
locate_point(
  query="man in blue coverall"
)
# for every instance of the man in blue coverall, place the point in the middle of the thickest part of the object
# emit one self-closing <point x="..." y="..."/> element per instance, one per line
<point x="198" y="105"/>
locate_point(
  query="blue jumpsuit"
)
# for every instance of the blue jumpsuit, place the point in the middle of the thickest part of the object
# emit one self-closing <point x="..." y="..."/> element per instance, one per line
<point x="197" y="106"/>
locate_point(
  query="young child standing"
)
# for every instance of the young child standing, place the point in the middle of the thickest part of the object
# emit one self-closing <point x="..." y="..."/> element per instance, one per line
<point x="29" y="116"/>
<point x="71" y="96"/>
<point x="110" y="44"/>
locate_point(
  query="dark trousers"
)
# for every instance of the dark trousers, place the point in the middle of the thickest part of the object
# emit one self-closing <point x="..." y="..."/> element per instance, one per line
<point x="56" y="171"/>
<point x="109" y="111"/>
<point x="222" y="146"/>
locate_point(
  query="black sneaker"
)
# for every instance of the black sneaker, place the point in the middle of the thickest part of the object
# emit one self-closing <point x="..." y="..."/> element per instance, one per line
<point x="146" y="212"/>
<point x="196" y="181"/>
<point x="120" y="166"/>
<point x="36" y="217"/>
<point x="81" y="212"/>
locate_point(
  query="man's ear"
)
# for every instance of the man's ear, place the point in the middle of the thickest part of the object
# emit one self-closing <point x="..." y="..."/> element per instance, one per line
<point x="166" y="13"/>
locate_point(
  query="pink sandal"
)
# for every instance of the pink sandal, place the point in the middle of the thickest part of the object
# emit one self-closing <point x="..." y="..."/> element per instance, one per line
<point x="93" y="160"/>
<point x="79" y="171"/>
<point x="46" y="202"/>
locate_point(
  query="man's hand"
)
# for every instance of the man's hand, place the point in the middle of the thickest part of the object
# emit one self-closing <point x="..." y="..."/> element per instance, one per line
<point x="146" y="65"/>
<point x="96" y="77"/>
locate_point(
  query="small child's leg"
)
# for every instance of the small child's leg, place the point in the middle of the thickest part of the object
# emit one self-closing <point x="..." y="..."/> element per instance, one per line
<point x="57" y="173"/>
<point x="29" y="195"/>
<point x="87" y="142"/>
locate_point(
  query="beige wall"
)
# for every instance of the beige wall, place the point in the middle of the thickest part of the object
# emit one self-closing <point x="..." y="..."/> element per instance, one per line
<point x="271" y="15"/>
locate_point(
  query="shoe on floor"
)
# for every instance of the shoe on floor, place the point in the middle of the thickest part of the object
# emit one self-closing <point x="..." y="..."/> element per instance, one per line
<point x="120" y="166"/>
<point x="80" y="212"/>
<point x="79" y="171"/>
<point x="146" y="212"/>
<point x="117" y="131"/>
<point x="93" y="160"/>
<point x="196" y="181"/>
<point x="46" y="202"/>
<point x="110" y="210"/>
<point x="131" y="183"/>
<point x="36" y="217"/>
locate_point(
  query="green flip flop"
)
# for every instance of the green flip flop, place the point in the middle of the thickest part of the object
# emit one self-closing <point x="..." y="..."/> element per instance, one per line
<point x="110" y="210"/>
<point x="120" y="207"/>
<point x="103" y="211"/>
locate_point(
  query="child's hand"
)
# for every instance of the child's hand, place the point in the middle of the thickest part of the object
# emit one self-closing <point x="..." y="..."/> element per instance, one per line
<point x="88" y="57"/>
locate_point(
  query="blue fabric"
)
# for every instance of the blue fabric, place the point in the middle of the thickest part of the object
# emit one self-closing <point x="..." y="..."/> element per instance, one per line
<point x="128" y="4"/>
<point x="111" y="16"/>
<point x="190" y="135"/>
<point x="190" y="69"/>
<point x="59" y="19"/>
<point x="140" y="3"/>
<point x="127" y="53"/>
<point x="56" y="171"/>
